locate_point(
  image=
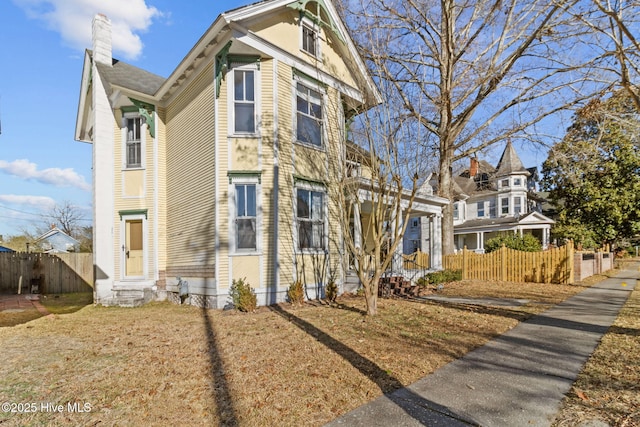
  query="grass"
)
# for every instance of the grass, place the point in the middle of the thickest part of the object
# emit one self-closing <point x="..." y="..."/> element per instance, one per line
<point x="56" y="304"/>
<point x="66" y="303"/>
<point x="164" y="364"/>
<point x="608" y="388"/>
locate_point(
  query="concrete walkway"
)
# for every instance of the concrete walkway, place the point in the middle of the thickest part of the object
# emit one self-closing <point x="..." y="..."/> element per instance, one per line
<point x="518" y="379"/>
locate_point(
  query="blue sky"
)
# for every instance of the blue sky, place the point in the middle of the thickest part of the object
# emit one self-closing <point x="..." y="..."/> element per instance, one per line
<point x="42" y="44"/>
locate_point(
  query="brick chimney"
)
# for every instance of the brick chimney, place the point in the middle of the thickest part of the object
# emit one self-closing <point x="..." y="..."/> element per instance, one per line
<point x="101" y="34"/>
<point x="473" y="167"/>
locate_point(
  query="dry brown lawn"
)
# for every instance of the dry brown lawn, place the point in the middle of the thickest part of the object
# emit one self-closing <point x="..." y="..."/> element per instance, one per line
<point x="164" y="364"/>
<point x="608" y="388"/>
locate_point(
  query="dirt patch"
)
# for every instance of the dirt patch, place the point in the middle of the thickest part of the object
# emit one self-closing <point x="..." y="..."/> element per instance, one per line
<point x="164" y="364"/>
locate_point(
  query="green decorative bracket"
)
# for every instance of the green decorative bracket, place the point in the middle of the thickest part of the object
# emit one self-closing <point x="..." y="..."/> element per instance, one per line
<point x="244" y="59"/>
<point x="222" y="65"/>
<point x="316" y="17"/>
<point x="146" y="110"/>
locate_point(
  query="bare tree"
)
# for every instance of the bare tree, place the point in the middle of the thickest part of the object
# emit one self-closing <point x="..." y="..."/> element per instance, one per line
<point x="375" y="195"/>
<point x="616" y="40"/>
<point x="67" y="217"/>
<point x="472" y="73"/>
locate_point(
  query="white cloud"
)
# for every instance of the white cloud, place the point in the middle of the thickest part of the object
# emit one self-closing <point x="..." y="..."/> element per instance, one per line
<point x="27" y="170"/>
<point x="41" y="202"/>
<point x="72" y="19"/>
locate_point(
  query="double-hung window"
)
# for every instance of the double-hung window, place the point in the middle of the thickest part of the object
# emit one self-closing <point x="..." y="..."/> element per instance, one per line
<point x="517" y="205"/>
<point x="309" y="38"/>
<point x="480" y="209"/>
<point x="244" y="100"/>
<point x="308" y="115"/>
<point x="134" y="142"/>
<point x="310" y="218"/>
<point x="245" y="217"/>
<point x="504" y="206"/>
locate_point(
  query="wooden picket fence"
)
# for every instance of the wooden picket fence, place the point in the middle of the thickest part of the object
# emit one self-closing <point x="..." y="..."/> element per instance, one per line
<point x="509" y="265"/>
<point x="416" y="260"/>
<point x="53" y="273"/>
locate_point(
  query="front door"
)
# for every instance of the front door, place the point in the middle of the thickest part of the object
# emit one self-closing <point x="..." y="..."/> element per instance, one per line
<point x="134" y="248"/>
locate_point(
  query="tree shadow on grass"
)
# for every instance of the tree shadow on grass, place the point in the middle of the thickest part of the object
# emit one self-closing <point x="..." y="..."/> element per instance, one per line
<point x="416" y="406"/>
<point x="219" y="387"/>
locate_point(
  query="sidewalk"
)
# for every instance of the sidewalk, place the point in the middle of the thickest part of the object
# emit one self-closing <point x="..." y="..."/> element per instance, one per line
<point x="518" y="379"/>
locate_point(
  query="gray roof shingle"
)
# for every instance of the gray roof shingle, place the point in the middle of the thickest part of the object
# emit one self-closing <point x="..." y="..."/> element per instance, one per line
<point x="130" y="77"/>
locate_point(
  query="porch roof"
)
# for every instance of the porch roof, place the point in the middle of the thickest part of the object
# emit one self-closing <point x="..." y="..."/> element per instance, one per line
<point x="531" y="219"/>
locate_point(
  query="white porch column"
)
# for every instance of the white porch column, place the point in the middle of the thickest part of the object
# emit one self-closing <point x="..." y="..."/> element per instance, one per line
<point x="396" y="263"/>
<point x="436" y="245"/>
<point x="357" y="226"/>
<point x="425" y="235"/>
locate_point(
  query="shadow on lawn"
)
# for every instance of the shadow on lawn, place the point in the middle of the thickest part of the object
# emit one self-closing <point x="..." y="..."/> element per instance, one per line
<point x="219" y="386"/>
<point x="416" y="406"/>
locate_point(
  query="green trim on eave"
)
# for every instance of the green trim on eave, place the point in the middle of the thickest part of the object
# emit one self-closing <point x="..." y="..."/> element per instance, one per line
<point x="129" y="212"/>
<point x="300" y="178"/>
<point x="145" y="110"/>
<point x="304" y="76"/>
<point x="222" y="65"/>
<point x="244" y="174"/>
<point x="301" y="6"/>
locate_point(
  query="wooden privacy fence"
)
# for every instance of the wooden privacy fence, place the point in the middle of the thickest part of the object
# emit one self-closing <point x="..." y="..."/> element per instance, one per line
<point x="53" y="273"/>
<point x="509" y="265"/>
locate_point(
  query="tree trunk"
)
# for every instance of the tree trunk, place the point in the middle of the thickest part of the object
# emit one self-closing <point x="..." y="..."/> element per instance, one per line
<point x="371" y="297"/>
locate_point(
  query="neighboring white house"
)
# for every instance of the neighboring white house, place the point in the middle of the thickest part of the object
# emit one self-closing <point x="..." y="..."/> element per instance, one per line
<point x="57" y="241"/>
<point x="490" y="201"/>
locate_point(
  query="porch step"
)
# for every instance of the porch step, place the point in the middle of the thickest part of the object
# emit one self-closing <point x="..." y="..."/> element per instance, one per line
<point x="127" y="297"/>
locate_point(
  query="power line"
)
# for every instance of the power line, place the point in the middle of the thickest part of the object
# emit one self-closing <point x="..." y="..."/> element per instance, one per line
<point x="19" y="211"/>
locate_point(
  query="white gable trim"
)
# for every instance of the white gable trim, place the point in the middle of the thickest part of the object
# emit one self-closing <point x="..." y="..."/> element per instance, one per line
<point x="251" y="39"/>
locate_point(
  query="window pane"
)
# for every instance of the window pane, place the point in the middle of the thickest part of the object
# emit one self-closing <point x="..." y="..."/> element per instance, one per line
<point x="308" y="130"/>
<point x="316" y="207"/>
<point x="304" y="234"/>
<point x="238" y="85"/>
<point x="246" y="237"/>
<point x="303" y="204"/>
<point x="251" y="200"/>
<point x="249" y="86"/>
<point x="318" y="234"/>
<point x="241" y="207"/>
<point x="245" y="118"/>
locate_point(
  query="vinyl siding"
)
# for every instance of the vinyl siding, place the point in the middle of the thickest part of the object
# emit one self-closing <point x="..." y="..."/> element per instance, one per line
<point x="190" y="168"/>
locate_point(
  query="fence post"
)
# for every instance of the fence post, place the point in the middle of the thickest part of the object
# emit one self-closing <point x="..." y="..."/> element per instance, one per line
<point x="570" y="253"/>
<point x="464" y="263"/>
<point x="503" y="259"/>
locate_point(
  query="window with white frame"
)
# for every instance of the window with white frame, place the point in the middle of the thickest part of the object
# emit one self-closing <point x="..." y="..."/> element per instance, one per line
<point x="517" y="182"/>
<point x="456" y="211"/>
<point x="310" y="218"/>
<point x="244" y="99"/>
<point x="504" y="205"/>
<point x="309" y="38"/>
<point x="245" y="222"/>
<point x="517" y="205"/>
<point x="504" y="183"/>
<point x="480" y="209"/>
<point x="133" y="149"/>
<point x="308" y="115"/>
